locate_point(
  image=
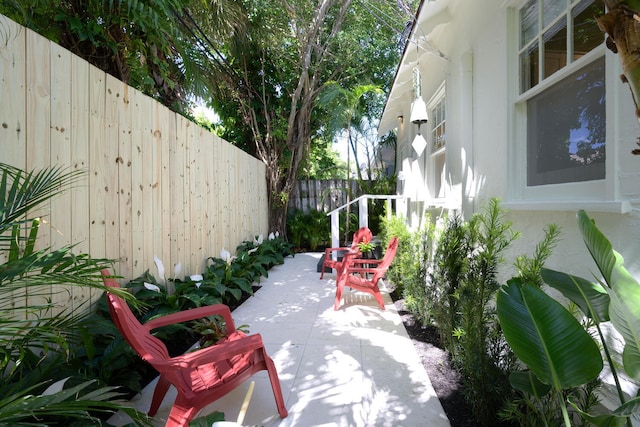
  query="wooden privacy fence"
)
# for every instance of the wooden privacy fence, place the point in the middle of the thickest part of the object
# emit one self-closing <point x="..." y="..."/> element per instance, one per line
<point x="323" y="195"/>
<point x="156" y="183"/>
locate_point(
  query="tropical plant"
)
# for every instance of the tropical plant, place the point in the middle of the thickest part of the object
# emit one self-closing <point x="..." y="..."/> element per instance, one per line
<point x="556" y="348"/>
<point x="449" y="268"/>
<point x="309" y="229"/>
<point x="37" y="335"/>
<point x="365" y="247"/>
<point x="212" y="329"/>
<point x="410" y="269"/>
<point x="154" y="46"/>
<point x="347" y="111"/>
<point x="539" y="404"/>
<point x="403" y="265"/>
<point x="477" y="345"/>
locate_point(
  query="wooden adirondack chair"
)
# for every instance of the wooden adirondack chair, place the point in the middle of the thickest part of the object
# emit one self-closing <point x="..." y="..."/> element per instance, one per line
<point x="363" y="234"/>
<point x="202" y="376"/>
<point x="357" y="274"/>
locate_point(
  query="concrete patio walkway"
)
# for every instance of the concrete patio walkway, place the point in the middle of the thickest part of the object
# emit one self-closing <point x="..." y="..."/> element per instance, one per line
<point x="351" y="367"/>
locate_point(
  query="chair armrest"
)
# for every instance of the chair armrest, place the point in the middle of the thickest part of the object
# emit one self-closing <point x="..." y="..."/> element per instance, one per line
<point x="327" y="251"/>
<point x="193" y="314"/>
<point x="365" y="261"/>
<point x="361" y="270"/>
<point x="217" y="352"/>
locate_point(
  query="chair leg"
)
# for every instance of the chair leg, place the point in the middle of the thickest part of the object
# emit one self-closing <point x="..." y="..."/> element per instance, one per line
<point x="378" y="297"/>
<point x="275" y="385"/>
<point x="322" y="272"/>
<point x="181" y="414"/>
<point x="339" y="289"/>
<point x="158" y="395"/>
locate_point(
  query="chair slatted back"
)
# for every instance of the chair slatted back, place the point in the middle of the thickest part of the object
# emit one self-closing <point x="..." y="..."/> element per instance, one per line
<point x="146" y="345"/>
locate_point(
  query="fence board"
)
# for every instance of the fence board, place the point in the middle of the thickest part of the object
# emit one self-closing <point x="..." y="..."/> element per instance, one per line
<point x="38" y="101"/>
<point x="13" y="106"/>
<point x="79" y="143"/>
<point x="323" y="195"/>
<point x="60" y="152"/>
<point x="13" y="87"/>
<point x="124" y="169"/>
<point x="97" y="203"/>
<point x="141" y="174"/>
<point x="38" y="153"/>
<point x="156" y="182"/>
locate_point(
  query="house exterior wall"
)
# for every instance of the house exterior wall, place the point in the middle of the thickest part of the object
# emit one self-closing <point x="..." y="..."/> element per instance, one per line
<point x="486" y="143"/>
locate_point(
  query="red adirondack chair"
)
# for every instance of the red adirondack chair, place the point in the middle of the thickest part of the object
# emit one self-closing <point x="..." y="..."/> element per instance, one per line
<point x="202" y="376"/>
<point x="363" y="234"/>
<point x="358" y="274"/>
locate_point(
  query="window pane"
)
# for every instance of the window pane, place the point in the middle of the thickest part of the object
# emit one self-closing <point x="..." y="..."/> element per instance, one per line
<point x="555" y="48"/>
<point x="528" y="22"/>
<point x="566" y="129"/>
<point x="529" y="68"/>
<point x="586" y="34"/>
<point x="551" y="9"/>
<point x="438" y="135"/>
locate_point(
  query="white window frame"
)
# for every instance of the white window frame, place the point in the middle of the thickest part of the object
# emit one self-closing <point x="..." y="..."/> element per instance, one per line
<point x="597" y="195"/>
<point x="432" y="155"/>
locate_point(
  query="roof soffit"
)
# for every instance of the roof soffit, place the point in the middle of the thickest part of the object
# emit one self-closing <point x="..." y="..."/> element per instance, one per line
<point x="432" y="16"/>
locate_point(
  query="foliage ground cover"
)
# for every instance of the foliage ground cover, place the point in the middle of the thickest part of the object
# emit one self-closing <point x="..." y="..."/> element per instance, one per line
<point x="72" y="367"/>
<point x="445" y="276"/>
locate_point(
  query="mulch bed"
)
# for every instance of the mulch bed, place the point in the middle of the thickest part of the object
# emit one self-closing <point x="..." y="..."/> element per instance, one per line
<point x="446" y="381"/>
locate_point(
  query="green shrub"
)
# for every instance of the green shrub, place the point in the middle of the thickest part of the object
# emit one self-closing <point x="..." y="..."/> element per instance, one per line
<point x="404" y="263"/>
<point x="226" y="280"/>
<point x="548" y="406"/>
<point x="464" y="286"/>
<point x="310" y="230"/>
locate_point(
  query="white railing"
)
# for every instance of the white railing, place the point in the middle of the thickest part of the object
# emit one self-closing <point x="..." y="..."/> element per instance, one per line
<point x="363" y="215"/>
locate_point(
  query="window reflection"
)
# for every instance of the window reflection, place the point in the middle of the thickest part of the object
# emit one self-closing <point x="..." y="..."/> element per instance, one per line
<point x="566" y="129"/>
<point x="586" y="34"/>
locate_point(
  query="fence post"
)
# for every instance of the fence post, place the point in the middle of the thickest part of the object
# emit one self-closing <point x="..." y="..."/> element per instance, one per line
<point x="335" y="233"/>
<point x="363" y="212"/>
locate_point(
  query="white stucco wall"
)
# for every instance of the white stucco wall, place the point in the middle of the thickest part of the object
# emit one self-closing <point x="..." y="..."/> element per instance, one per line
<point x="480" y="72"/>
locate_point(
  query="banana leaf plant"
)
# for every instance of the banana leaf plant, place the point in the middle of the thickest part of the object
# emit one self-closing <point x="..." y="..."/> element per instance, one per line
<point x="554" y="345"/>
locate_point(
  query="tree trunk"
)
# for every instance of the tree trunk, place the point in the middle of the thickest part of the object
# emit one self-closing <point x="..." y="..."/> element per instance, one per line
<point x="313" y="59"/>
<point x="622" y="25"/>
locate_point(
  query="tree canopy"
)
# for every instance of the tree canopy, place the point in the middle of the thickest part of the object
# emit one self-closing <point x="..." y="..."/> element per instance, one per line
<point x="260" y="64"/>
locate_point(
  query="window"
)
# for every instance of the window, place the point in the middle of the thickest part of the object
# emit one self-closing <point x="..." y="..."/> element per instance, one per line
<point x="550" y="38"/>
<point x="438" y="137"/>
<point x="438" y="134"/>
<point x="566" y="129"/>
<point x="563" y="90"/>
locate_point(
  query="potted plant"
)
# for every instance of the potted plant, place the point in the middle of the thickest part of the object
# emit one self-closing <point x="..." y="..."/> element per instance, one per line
<point x="366" y="248"/>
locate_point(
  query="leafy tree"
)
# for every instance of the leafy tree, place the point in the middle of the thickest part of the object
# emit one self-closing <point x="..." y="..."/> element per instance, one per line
<point x="153" y="46"/>
<point x="260" y="64"/>
<point x="278" y="70"/>
<point x="323" y="161"/>
<point x="347" y="112"/>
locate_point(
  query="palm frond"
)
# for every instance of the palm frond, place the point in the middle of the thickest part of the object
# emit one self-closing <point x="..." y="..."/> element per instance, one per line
<point x="22" y="191"/>
<point x="23" y="408"/>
